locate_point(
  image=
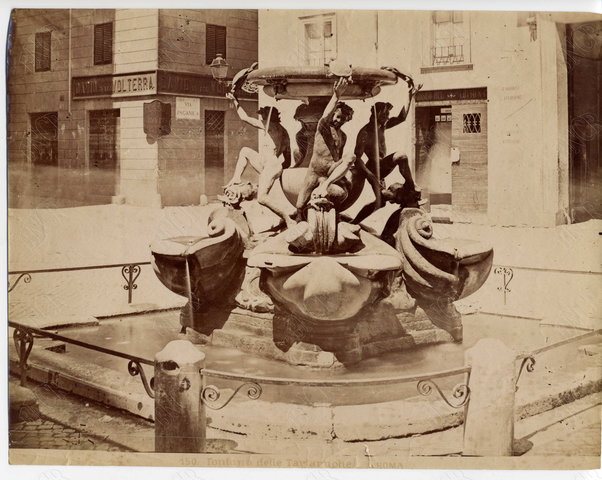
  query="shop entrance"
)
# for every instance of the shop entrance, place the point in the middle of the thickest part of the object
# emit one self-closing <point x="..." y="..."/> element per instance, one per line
<point x="451" y="152"/>
<point x="433" y="155"/>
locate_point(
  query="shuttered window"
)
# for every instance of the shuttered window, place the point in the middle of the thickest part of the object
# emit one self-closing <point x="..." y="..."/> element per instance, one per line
<point x="42" y="51"/>
<point x="215" y="42"/>
<point x="103" y="43"/>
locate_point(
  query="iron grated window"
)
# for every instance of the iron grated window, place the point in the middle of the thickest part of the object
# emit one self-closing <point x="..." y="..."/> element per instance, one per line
<point x="471" y="123"/>
<point x="214" y="121"/>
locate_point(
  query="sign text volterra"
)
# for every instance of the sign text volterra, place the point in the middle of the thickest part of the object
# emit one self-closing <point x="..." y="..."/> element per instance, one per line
<point x="151" y="83"/>
<point x="115" y="85"/>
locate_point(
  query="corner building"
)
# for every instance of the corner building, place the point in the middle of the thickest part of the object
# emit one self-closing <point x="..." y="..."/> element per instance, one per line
<point x="120" y="106"/>
<point x="506" y="129"/>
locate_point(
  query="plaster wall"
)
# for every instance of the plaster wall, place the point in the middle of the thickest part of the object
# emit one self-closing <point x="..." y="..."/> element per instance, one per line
<point x="527" y="154"/>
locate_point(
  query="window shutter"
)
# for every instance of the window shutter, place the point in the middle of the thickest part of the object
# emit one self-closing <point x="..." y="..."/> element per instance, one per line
<point x="458" y="17"/>
<point x="46" y="52"/>
<point x="38" y="52"/>
<point x="210" y="44"/>
<point x="103" y="43"/>
<point x="107" y="43"/>
<point x="42" y="51"/>
<point x="98" y="34"/>
<point x="442" y="16"/>
<point x="220" y="41"/>
<point x="215" y="42"/>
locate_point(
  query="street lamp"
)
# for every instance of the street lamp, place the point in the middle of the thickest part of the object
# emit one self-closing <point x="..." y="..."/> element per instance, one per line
<point x="219" y="68"/>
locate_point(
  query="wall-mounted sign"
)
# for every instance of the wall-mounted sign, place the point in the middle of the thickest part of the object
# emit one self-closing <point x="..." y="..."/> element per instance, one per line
<point x="115" y="85"/>
<point x="157" y="120"/>
<point x="450" y="95"/>
<point x="194" y="84"/>
<point x="138" y="84"/>
<point x="188" y="108"/>
<point x="151" y="83"/>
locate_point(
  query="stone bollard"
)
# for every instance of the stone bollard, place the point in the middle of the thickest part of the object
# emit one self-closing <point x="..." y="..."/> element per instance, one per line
<point x="489" y="424"/>
<point x="180" y="422"/>
<point x="23" y="404"/>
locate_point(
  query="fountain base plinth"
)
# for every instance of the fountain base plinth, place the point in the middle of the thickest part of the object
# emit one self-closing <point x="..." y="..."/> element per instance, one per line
<point x="281" y="337"/>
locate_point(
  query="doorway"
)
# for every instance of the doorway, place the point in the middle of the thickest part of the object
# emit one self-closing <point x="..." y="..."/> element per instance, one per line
<point x="584" y="65"/>
<point x="433" y="156"/>
<point x="214" y="152"/>
<point x="103" y="154"/>
<point x="44" y="186"/>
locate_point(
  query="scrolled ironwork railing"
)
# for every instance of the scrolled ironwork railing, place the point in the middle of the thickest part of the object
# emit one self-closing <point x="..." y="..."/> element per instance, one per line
<point x="425" y="384"/>
<point x="24" y="336"/>
<point x="129" y="271"/>
<point x="211" y="394"/>
<point x="528" y="361"/>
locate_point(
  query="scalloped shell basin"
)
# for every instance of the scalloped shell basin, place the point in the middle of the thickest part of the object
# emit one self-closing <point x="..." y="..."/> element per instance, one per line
<point x="300" y="83"/>
<point x="326" y="288"/>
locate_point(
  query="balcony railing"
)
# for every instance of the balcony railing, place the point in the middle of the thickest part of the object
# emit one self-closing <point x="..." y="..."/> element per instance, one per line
<point x="449" y="55"/>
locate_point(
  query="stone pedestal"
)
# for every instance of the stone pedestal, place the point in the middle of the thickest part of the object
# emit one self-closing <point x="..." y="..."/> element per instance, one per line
<point x="23" y="404"/>
<point x="489" y="427"/>
<point x="180" y="420"/>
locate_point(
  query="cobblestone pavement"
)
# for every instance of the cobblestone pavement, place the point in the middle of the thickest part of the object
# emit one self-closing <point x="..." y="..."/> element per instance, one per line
<point x="576" y="435"/>
<point x="70" y="422"/>
<point x="46" y="433"/>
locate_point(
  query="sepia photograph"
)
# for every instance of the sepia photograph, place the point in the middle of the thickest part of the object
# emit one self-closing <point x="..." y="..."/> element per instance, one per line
<point x="300" y="238"/>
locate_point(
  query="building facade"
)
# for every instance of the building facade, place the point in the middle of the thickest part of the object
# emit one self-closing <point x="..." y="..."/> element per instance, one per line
<point x="506" y="129"/>
<point x="120" y="105"/>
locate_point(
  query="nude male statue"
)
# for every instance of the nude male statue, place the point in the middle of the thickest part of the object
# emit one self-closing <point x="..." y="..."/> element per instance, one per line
<point x="367" y="140"/>
<point x="328" y="146"/>
<point x="276" y="155"/>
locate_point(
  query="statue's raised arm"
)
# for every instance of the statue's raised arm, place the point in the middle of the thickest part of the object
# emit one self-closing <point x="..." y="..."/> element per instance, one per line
<point x="254" y="122"/>
<point x="412" y="91"/>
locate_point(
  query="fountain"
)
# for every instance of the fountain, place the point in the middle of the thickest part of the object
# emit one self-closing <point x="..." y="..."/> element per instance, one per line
<point x="362" y="298"/>
<point x="330" y="290"/>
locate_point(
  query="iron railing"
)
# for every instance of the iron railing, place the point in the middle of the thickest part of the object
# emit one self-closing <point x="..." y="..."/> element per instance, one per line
<point x="129" y="271"/>
<point x="210" y="394"/>
<point x="528" y="359"/>
<point x="447" y="55"/>
<point x="24" y="335"/>
<point x="425" y="384"/>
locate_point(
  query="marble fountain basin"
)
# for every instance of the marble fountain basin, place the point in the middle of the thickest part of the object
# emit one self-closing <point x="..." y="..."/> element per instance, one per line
<point x="326" y="287"/>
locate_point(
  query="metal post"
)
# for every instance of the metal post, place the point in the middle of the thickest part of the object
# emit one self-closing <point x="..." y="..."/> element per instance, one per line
<point x="191" y="306"/>
<point x="377" y="193"/>
<point x="23" y="344"/>
<point x="180" y="420"/>
<point x="489" y="423"/>
<point x="133" y="272"/>
<point x="130" y="282"/>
